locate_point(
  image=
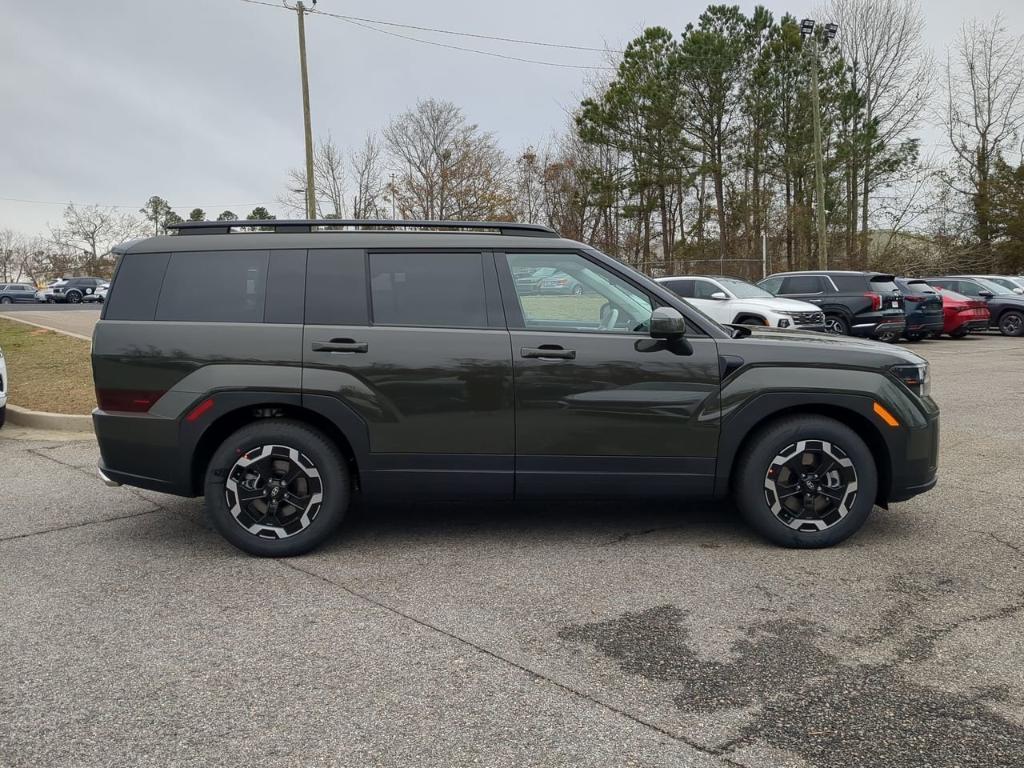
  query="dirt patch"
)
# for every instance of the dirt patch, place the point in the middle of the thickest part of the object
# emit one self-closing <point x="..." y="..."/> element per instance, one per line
<point x="47" y="371"/>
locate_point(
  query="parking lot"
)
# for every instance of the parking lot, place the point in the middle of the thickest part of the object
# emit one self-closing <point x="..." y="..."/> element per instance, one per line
<point x="514" y="635"/>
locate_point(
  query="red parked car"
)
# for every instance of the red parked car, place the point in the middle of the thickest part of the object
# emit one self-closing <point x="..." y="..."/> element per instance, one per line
<point x="961" y="314"/>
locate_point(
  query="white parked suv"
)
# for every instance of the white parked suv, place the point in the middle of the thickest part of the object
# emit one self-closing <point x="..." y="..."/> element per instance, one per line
<point x="3" y="388"/>
<point x="732" y="301"/>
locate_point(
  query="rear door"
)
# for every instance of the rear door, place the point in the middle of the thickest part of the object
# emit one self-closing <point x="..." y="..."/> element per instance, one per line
<point x="414" y="344"/>
<point x="601" y="408"/>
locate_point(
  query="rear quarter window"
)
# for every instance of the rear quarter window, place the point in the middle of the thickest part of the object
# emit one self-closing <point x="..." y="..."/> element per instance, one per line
<point x="799" y="284"/>
<point x="136" y="287"/>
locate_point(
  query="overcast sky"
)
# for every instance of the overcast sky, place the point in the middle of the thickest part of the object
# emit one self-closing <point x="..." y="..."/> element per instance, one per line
<point x="111" y="101"/>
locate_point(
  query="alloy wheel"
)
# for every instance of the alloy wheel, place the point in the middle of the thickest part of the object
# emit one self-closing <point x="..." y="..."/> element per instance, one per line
<point x="274" y="491"/>
<point x="1011" y="323"/>
<point x="834" y="326"/>
<point x="811" y="485"/>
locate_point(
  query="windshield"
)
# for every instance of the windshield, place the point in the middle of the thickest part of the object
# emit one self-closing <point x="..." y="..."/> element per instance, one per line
<point x="996" y="288"/>
<point x="741" y="289"/>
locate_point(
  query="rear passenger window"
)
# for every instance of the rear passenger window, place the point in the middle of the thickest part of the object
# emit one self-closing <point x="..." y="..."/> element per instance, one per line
<point x="336" y="287"/>
<point x="136" y="286"/>
<point x="802" y="284"/>
<point x="214" y="287"/>
<point x="439" y="290"/>
<point x="681" y="288"/>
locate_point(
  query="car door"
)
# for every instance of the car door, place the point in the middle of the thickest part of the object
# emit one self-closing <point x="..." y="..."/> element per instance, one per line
<point x="602" y="409"/>
<point x="414" y="345"/>
<point x="720" y="309"/>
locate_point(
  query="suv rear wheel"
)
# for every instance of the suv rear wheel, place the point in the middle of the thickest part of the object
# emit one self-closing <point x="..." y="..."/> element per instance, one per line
<point x="1011" y="323"/>
<point x="806" y="481"/>
<point x="73" y="297"/>
<point x="837" y="325"/>
<point x="277" y="488"/>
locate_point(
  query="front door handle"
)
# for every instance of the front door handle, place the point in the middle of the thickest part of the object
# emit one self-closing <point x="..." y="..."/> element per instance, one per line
<point x="548" y="352"/>
<point x="340" y="345"/>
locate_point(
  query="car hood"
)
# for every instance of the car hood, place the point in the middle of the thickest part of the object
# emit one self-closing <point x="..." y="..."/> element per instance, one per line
<point x="780" y="345"/>
<point x="782" y="305"/>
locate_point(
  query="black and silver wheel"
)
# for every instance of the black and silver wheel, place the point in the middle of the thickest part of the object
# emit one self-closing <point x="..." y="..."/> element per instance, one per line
<point x="73" y="297"/>
<point x="1011" y="323"/>
<point x="5" y="300"/>
<point x="836" y="325"/>
<point x="806" y="481"/>
<point x="277" y="488"/>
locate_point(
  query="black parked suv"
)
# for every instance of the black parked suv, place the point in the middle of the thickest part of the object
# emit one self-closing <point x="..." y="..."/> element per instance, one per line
<point x="1006" y="308"/>
<point x="280" y="373"/>
<point x="74" y="289"/>
<point x="923" y="308"/>
<point x="855" y="303"/>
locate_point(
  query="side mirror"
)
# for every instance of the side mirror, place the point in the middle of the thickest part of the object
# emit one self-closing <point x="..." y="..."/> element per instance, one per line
<point x="1018" y="291"/>
<point x="986" y="294"/>
<point x="719" y="296"/>
<point x="667" y="323"/>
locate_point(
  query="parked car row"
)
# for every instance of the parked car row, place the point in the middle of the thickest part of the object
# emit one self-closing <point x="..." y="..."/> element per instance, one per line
<point x="72" y="290"/>
<point x="867" y="304"/>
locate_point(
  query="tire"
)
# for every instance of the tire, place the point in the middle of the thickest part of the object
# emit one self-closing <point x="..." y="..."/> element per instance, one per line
<point x="837" y="325"/>
<point x="274" y="447"/>
<point x="759" y="464"/>
<point x="913" y="337"/>
<point x="960" y="333"/>
<point x="3" y="416"/>
<point x="889" y="337"/>
<point x="1011" y="323"/>
<point x="5" y="300"/>
<point x="577" y="290"/>
<point x="73" y="297"/>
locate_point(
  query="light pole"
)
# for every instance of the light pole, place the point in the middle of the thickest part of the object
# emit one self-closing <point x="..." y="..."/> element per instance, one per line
<point x="300" y="10"/>
<point x="807" y="30"/>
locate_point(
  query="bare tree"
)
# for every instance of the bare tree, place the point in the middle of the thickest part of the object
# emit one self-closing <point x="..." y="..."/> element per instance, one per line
<point x="890" y="71"/>
<point x="447" y="168"/>
<point x="367" y="173"/>
<point x="12" y="254"/>
<point x="92" y="231"/>
<point x="984" y="113"/>
<point x="329" y="178"/>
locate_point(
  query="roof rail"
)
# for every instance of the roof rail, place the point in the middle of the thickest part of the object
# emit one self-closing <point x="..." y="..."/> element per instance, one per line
<point x="314" y="225"/>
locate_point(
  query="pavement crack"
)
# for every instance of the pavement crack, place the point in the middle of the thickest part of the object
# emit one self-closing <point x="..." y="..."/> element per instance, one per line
<point x="1015" y="547"/>
<point x="633" y="534"/>
<point x="494" y="655"/>
<point x="83" y="524"/>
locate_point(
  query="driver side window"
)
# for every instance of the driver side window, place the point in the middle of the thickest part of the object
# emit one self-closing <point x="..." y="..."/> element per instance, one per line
<point x="566" y="292"/>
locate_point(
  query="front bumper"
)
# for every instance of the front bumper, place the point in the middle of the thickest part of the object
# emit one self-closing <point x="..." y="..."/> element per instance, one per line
<point x="915" y="461"/>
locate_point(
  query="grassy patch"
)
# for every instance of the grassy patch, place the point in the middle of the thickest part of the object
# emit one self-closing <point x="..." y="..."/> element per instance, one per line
<point x="48" y="371"/>
<point x="586" y="308"/>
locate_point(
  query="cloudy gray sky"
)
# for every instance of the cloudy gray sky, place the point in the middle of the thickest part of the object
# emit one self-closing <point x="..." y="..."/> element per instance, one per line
<point x="111" y="101"/>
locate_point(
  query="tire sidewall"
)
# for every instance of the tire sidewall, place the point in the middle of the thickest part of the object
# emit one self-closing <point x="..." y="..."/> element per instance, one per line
<point x="325" y="456"/>
<point x="1020" y="327"/>
<point x="842" y="327"/>
<point x="748" y="486"/>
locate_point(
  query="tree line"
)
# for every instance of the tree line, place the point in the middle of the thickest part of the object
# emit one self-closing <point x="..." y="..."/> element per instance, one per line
<point x="696" y="154"/>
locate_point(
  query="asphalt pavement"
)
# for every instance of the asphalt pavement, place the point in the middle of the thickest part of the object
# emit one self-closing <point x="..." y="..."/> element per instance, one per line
<point x="73" y="319"/>
<point x="522" y="635"/>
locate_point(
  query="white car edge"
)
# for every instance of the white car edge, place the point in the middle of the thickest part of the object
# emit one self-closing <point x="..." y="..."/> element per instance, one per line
<point x="732" y="301"/>
<point x="3" y="388"/>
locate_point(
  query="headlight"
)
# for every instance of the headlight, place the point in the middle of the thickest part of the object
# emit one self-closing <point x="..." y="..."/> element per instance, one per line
<point x="916" y="377"/>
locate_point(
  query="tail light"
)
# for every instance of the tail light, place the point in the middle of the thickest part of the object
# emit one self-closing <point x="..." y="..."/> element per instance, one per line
<point x="876" y="300"/>
<point x="127" y="400"/>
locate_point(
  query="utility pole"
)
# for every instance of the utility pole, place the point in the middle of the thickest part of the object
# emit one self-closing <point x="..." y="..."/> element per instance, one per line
<point x="807" y="30"/>
<point x="300" y="10"/>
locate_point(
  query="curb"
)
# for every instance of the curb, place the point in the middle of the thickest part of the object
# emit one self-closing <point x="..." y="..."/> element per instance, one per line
<point x="72" y="334"/>
<point x="61" y="422"/>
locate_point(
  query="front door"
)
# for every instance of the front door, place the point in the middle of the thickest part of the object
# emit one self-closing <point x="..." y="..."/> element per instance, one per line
<point x="602" y="409"/>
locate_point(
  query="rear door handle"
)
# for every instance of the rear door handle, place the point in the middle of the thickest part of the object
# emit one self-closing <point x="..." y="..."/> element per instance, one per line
<point x="548" y="352"/>
<point x="340" y="345"/>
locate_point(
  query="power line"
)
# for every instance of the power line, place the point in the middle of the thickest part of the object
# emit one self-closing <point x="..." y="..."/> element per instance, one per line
<point x="136" y="206"/>
<point x="366" y="25"/>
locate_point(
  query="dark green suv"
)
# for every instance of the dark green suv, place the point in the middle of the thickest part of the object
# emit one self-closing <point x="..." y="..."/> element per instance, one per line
<point x="284" y="369"/>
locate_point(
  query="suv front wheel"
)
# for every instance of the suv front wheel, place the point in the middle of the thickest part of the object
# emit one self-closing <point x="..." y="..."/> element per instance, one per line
<point x="806" y="481"/>
<point x="277" y="488"/>
<point x="1011" y="323"/>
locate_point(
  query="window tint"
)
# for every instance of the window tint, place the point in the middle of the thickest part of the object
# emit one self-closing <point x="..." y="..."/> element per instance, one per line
<point x="703" y="289"/>
<point x="336" y="287"/>
<point x="917" y="286"/>
<point x="214" y="287"/>
<point x="850" y="283"/>
<point x="771" y="284"/>
<point x="967" y="288"/>
<point x="608" y="303"/>
<point x="683" y="288"/>
<point x="802" y="284"/>
<point x="136" y="286"/>
<point x="286" y="287"/>
<point x="436" y="290"/>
